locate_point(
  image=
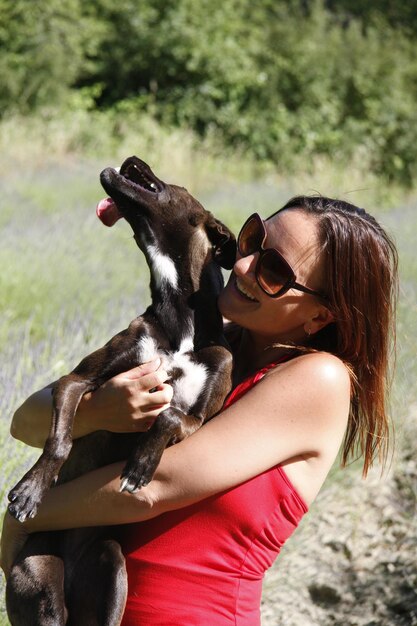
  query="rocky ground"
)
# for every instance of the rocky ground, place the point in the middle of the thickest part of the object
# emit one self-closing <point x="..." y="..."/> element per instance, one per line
<point x="353" y="560"/>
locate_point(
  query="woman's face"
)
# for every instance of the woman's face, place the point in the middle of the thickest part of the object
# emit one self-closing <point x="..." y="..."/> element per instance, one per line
<point x="295" y="314"/>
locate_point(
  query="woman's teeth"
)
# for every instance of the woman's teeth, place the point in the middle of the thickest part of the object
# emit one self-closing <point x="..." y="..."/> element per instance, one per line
<point x="241" y="288"/>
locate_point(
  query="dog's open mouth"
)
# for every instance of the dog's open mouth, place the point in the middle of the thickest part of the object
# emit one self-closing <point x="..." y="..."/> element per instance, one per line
<point x="139" y="176"/>
<point x="134" y="176"/>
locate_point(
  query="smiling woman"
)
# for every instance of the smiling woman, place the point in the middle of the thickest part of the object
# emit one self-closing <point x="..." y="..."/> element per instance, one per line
<point x="263" y="274"/>
<point x="343" y="254"/>
<point x="311" y="303"/>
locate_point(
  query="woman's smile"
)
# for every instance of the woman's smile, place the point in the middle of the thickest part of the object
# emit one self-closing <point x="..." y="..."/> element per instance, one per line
<point x="242" y="289"/>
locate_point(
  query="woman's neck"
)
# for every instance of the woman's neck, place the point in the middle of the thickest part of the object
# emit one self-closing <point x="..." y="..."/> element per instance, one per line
<point x="252" y="352"/>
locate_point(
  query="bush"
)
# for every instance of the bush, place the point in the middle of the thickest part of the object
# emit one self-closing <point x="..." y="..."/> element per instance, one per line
<point x="43" y="51"/>
<point x="276" y="79"/>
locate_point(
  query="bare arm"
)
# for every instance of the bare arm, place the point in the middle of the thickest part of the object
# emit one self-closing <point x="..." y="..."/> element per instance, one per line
<point x="123" y="404"/>
<point x="271" y="424"/>
<point x="298" y="411"/>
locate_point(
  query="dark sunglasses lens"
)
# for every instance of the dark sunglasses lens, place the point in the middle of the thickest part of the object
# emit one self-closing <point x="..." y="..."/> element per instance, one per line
<point x="251" y="237"/>
<point x="273" y="272"/>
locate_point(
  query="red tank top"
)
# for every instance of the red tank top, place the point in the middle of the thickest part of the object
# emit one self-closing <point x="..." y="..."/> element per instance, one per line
<point x="203" y="565"/>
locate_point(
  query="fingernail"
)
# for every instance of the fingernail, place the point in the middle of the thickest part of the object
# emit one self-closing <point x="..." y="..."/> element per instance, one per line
<point x="158" y="362"/>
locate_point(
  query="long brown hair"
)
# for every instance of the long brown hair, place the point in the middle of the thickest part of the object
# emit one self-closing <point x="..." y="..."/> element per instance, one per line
<point x="361" y="283"/>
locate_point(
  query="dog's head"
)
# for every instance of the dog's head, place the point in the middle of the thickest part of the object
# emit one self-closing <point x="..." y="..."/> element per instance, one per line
<point x="161" y="212"/>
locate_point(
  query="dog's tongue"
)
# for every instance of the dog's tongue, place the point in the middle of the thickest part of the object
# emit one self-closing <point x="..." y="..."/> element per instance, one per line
<point x="108" y="212"/>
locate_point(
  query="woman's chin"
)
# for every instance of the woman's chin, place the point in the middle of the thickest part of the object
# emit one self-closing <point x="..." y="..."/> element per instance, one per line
<point x="234" y="307"/>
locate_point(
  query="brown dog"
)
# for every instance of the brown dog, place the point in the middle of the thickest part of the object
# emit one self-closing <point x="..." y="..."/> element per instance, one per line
<point x="57" y="574"/>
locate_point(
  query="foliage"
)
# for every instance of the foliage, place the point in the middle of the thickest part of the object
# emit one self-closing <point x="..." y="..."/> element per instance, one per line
<point x="401" y="15"/>
<point x="275" y="78"/>
<point x="43" y="50"/>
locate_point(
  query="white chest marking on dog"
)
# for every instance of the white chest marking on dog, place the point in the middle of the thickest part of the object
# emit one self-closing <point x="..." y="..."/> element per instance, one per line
<point x="146" y="349"/>
<point x="187" y="345"/>
<point x="163" y="268"/>
<point x="189" y="386"/>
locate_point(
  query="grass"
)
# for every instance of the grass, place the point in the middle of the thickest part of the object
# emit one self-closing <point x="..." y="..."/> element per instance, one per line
<point x="66" y="281"/>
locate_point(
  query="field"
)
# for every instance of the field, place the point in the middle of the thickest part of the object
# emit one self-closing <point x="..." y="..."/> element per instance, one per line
<point x="67" y="283"/>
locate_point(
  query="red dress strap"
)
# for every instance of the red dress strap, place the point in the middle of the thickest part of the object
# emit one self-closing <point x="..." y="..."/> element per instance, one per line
<point x="251" y="381"/>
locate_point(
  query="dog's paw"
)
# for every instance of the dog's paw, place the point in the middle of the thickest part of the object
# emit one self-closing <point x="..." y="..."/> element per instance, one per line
<point x="138" y="473"/>
<point x="24" y="500"/>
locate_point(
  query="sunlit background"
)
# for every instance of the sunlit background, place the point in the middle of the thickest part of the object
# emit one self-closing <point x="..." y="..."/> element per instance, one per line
<point x="245" y="104"/>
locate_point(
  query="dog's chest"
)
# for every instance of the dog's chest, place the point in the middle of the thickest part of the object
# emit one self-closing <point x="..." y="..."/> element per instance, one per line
<point x="188" y="377"/>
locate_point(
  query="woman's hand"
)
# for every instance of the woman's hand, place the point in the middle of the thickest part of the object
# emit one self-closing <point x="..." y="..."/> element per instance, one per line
<point x="129" y="402"/>
<point x="13" y="538"/>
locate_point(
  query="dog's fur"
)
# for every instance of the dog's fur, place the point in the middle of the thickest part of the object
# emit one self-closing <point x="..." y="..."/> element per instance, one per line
<point x="61" y="574"/>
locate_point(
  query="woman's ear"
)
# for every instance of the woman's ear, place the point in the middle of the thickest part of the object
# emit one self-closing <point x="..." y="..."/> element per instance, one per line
<point x="322" y="318"/>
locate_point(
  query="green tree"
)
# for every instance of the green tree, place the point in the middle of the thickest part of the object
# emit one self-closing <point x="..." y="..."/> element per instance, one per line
<point x="399" y="15"/>
<point x="278" y="78"/>
<point x="43" y="49"/>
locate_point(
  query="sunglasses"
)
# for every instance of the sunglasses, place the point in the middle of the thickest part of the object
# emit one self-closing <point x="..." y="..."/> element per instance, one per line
<point x="273" y="273"/>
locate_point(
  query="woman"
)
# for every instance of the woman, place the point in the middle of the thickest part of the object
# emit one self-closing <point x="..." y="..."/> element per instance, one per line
<point x="311" y="300"/>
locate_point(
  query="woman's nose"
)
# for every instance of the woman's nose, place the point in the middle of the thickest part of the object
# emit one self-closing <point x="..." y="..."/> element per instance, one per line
<point x="246" y="264"/>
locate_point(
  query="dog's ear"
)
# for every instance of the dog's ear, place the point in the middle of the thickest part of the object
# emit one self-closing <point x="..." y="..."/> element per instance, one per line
<point x="224" y="242"/>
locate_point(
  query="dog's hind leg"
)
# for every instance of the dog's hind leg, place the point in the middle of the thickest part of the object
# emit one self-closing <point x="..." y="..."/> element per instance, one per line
<point x="98" y="589"/>
<point x="35" y="592"/>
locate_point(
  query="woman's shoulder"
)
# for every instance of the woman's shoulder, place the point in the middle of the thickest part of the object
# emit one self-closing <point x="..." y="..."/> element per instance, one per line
<point x="316" y="368"/>
<point x="318" y="382"/>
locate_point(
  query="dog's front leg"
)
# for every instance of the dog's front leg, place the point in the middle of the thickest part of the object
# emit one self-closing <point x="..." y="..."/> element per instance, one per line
<point x="26" y="496"/>
<point x="171" y="426"/>
<point x="118" y="355"/>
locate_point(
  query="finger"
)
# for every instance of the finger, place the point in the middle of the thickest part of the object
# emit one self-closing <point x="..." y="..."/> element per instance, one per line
<point x="168" y="392"/>
<point x="141" y="370"/>
<point x="153" y="380"/>
<point x="153" y="412"/>
<point x="162" y="396"/>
